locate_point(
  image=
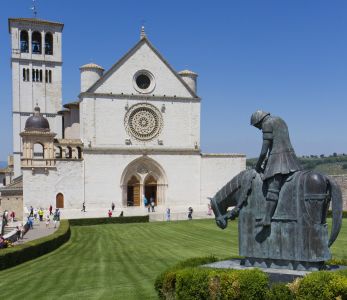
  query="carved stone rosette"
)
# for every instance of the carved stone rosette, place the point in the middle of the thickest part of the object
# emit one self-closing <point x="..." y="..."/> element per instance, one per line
<point x="143" y="121"/>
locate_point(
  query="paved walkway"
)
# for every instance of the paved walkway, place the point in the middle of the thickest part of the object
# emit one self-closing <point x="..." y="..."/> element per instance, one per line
<point x="39" y="231"/>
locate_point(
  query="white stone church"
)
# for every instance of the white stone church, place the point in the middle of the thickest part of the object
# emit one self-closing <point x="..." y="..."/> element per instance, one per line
<point x="134" y="130"/>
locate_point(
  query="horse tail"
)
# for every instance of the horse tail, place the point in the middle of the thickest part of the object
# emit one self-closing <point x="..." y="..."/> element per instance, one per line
<point x="336" y="204"/>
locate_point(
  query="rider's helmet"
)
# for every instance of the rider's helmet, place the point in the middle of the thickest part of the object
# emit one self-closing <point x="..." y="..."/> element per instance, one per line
<point x="258" y="116"/>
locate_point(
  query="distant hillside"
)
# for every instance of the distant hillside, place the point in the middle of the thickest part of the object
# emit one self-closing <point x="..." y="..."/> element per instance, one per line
<point x="332" y="165"/>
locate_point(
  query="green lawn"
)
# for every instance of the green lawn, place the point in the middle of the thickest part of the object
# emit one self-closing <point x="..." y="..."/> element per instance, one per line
<point x="121" y="261"/>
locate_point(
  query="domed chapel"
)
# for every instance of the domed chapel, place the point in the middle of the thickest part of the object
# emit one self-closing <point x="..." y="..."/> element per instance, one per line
<point x="133" y="131"/>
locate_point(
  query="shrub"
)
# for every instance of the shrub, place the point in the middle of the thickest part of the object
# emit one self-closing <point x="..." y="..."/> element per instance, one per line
<point x="21" y="253"/>
<point x="187" y="281"/>
<point x="100" y="221"/>
<point x="323" y="285"/>
<point x="279" y="291"/>
<point x="344" y="214"/>
<point x="166" y="281"/>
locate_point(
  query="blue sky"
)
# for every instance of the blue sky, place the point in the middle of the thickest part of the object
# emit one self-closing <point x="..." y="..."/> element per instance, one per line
<point x="286" y="57"/>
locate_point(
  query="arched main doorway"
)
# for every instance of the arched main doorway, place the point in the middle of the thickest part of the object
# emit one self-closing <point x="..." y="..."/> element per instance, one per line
<point x="133" y="192"/>
<point x="151" y="188"/>
<point x="143" y="176"/>
<point x="59" y="201"/>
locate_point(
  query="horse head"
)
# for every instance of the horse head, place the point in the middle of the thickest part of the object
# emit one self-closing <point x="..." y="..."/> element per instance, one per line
<point x="234" y="193"/>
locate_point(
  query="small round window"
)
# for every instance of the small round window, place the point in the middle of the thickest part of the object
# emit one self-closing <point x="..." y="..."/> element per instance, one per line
<point x="143" y="82"/>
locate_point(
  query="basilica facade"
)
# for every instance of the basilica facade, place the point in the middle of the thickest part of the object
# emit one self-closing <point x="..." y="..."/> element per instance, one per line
<point x="133" y="131"/>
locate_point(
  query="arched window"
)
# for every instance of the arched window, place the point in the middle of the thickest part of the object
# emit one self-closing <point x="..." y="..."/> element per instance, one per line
<point x="24" y="41"/>
<point x="36" y="41"/>
<point x="48" y="44"/>
<point x="28" y="75"/>
<point x="40" y="76"/>
<point x="79" y="152"/>
<point x="50" y="76"/>
<point x="68" y="152"/>
<point x="38" y="151"/>
<point x="24" y="75"/>
<point x="59" y="152"/>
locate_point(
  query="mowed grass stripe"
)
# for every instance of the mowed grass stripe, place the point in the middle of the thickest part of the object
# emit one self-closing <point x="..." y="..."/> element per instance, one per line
<point x="121" y="261"/>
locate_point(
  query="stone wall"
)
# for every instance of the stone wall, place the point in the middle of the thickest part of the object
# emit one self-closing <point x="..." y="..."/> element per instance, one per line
<point x="342" y="182"/>
<point x="12" y="203"/>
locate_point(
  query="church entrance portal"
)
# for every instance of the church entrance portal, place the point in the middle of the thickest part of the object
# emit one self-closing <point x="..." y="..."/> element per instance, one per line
<point x="151" y="189"/>
<point x="133" y="195"/>
<point x="143" y="176"/>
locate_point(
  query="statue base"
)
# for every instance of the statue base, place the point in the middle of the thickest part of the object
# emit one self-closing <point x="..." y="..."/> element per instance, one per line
<point x="283" y="264"/>
<point x="275" y="274"/>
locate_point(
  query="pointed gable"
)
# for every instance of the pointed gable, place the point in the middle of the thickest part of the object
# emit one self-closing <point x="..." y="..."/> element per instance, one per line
<point x="120" y="78"/>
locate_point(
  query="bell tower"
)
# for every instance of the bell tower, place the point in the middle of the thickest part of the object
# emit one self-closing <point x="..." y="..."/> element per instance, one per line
<point x="36" y="62"/>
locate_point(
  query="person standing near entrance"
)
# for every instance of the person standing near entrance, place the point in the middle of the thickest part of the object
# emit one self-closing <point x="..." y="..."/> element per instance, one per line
<point x="151" y="200"/>
<point x="168" y="214"/>
<point x="83" y="207"/>
<point x="145" y="203"/>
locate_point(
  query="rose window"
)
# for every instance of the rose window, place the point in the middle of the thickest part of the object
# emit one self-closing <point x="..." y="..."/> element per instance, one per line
<point x="143" y="121"/>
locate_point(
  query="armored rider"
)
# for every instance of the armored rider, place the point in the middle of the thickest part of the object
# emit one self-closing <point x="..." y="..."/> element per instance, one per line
<point x="277" y="159"/>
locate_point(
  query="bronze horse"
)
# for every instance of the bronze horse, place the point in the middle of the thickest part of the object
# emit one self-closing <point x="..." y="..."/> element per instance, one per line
<point x="298" y="235"/>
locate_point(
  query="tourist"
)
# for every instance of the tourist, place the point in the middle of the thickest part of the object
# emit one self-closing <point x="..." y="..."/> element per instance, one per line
<point x="190" y="213"/>
<point x="48" y="221"/>
<point x="121" y="214"/>
<point x="152" y="203"/>
<point x="55" y="218"/>
<point x="35" y="213"/>
<point x="209" y="209"/>
<point x="83" y="207"/>
<point x="50" y="210"/>
<point x="168" y="214"/>
<point x="58" y="214"/>
<point x="146" y="204"/>
<point x="18" y="232"/>
<point x="12" y="216"/>
<point x="109" y="213"/>
<point x="31" y="211"/>
<point x="112" y="206"/>
<point x="2" y="242"/>
<point x="30" y="222"/>
<point x="5" y="218"/>
<point x="40" y="212"/>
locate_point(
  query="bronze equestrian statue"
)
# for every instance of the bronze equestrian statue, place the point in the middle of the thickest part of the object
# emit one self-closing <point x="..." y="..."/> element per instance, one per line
<point x="281" y="208"/>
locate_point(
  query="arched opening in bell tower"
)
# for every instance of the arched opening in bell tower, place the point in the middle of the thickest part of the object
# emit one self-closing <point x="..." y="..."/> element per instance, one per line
<point x="38" y="151"/>
<point x="48" y="44"/>
<point x="24" y="41"/>
<point x="36" y="41"/>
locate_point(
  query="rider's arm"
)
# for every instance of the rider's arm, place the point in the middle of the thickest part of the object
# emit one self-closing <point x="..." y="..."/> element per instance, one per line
<point x="263" y="152"/>
<point x="267" y="141"/>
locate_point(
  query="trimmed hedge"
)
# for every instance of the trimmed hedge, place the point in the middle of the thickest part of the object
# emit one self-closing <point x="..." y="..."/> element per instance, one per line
<point x="344" y="214"/>
<point x="187" y="280"/>
<point x="115" y="220"/>
<point x="323" y="285"/>
<point x="18" y="254"/>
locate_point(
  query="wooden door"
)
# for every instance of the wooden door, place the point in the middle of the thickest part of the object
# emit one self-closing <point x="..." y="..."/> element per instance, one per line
<point x="59" y="201"/>
<point x="137" y="196"/>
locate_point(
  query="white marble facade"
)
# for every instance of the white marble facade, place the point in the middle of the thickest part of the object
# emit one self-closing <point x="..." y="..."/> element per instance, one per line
<point x="137" y="128"/>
